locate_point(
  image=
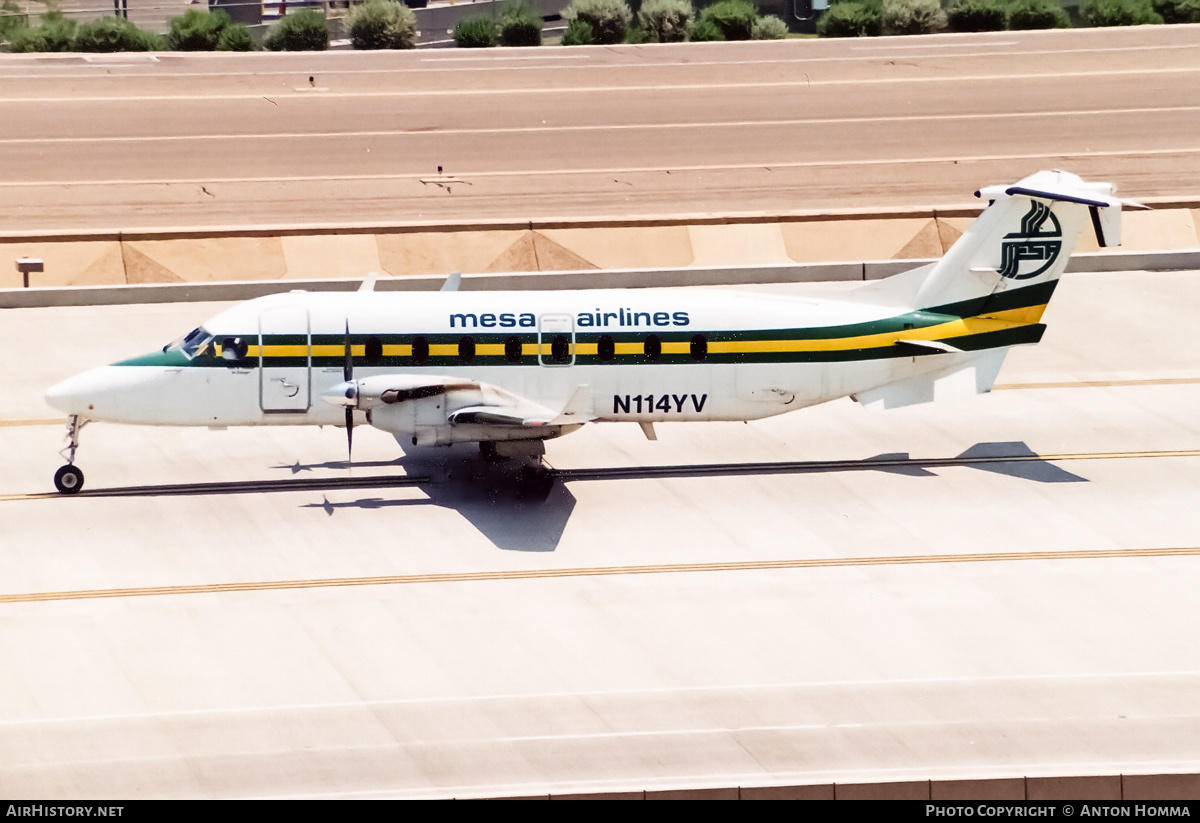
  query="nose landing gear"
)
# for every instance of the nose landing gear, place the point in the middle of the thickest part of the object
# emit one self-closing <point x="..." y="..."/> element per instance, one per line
<point x="69" y="479"/>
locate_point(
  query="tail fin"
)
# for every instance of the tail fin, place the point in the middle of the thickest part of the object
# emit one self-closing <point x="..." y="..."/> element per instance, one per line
<point x="1021" y="241"/>
<point x="989" y="291"/>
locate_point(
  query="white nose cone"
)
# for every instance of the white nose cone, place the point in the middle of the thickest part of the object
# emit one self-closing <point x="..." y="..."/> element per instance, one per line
<point x="112" y="393"/>
<point x="70" y="396"/>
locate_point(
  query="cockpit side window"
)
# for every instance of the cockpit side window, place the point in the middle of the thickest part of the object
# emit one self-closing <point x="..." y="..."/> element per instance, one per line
<point x="191" y="343"/>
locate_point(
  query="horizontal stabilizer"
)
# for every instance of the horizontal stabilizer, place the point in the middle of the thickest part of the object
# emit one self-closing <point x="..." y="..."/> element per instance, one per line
<point x="927" y="346"/>
<point x="1065" y="197"/>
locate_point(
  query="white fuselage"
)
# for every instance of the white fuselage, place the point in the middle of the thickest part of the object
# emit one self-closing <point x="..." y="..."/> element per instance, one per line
<point x="761" y="355"/>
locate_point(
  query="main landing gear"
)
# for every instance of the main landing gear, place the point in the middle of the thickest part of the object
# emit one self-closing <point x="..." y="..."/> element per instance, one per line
<point x="69" y="479"/>
<point x="533" y="480"/>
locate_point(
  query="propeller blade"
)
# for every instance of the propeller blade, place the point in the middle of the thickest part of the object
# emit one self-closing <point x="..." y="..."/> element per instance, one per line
<point x="348" y="376"/>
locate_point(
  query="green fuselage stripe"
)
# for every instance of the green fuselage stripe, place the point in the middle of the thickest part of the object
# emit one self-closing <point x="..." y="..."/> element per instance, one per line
<point x="817" y="344"/>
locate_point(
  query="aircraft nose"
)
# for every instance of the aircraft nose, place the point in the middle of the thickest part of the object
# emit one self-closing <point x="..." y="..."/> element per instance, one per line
<point x="70" y="396"/>
<point x="104" y="393"/>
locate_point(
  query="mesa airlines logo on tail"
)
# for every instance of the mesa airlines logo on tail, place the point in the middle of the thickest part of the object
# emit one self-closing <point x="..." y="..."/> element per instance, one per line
<point x="1035" y="243"/>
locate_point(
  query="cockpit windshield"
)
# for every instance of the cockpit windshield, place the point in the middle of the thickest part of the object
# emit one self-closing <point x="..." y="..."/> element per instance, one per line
<point x="191" y="343"/>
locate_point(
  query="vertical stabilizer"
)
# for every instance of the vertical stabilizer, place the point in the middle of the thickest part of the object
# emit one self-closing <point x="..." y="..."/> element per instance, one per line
<point x="1023" y="239"/>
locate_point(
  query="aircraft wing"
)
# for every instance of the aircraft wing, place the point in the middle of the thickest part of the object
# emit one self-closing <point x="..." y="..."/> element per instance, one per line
<point x="525" y="413"/>
<point x="466" y="402"/>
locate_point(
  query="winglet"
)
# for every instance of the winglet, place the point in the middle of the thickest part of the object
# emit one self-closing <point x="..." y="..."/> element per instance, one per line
<point x="368" y="283"/>
<point x="452" y="282"/>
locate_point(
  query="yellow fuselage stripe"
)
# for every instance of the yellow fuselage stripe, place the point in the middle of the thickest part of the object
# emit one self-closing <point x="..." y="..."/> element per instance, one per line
<point x="963" y="327"/>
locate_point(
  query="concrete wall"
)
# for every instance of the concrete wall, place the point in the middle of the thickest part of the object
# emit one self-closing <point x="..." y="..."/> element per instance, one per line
<point x="598" y="254"/>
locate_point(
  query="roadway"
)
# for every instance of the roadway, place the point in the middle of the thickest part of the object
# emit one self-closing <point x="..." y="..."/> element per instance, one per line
<point x="829" y="595"/>
<point x="195" y="140"/>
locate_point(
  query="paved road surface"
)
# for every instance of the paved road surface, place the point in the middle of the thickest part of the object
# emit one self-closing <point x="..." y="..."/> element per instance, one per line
<point x="131" y="141"/>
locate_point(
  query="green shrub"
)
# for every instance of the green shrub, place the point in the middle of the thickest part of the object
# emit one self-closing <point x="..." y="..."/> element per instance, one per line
<point x="977" y="15"/>
<point x="54" y="34"/>
<point x="735" y="18"/>
<point x="302" y="31"/>
<point x="197" y="30"/>
<point x="666" y="21"/>
<point x="520" y="25"/>
<point x="1119" y="13"/>
<point x="913" y="17"/>
<point x="1178" y="11"/>
<point x="1037" y="14"/>
<point x="851" y="19"/>
<point x="579" y="33"/>
<point x="11" y="18"/>
<point x="475" y="33"/>
<point x="236" y="37"/>
<point x="109" y="34"/>
<point x="705" y="31"/>
<point x="769" y="27"/>
<point x="381" y="24"/>
<point x="609" y="19"/>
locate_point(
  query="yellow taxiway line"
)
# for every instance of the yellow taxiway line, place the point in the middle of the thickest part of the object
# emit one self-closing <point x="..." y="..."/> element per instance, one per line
<point x="602" y="571"/>
<point x="1099" y="384"/>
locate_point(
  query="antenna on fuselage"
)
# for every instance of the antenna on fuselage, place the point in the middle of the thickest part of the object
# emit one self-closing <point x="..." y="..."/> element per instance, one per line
<point x="452" y="282"/>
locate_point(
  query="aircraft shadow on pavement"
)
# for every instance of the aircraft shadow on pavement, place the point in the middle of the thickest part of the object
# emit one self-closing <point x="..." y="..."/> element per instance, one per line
<point x="1014" y="459"/>
<point x="1018" y="460"/>
<point x="514" y="515"/>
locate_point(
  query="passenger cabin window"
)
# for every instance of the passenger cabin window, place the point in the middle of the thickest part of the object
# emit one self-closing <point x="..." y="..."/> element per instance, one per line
<point x="512" y="349"/>
<point x="420" y="350"/>
<point x="374" y="351"/>
<point x="606" y="349"/>
<point x="466" y="349"/>
<point x="233" y="349"/>
<point x="560" y="349"/>
<point x="699" y="347"/>
<point x="652" y="347"/>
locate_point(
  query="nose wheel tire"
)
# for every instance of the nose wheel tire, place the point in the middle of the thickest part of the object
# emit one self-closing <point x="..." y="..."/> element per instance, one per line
<point x="68" y="479"/>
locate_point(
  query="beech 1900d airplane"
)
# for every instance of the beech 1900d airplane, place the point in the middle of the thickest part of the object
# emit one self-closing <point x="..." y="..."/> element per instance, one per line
<point x="510" y="370"/>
